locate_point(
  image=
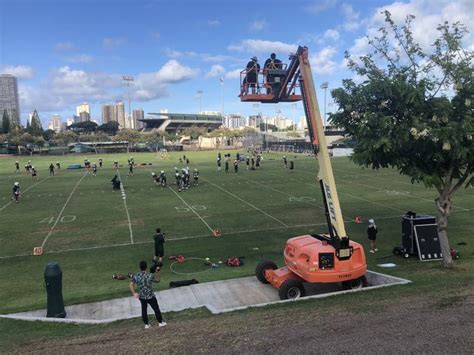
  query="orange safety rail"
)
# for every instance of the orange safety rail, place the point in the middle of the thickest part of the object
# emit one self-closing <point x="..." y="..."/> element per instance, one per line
<point x="261" y="91"/>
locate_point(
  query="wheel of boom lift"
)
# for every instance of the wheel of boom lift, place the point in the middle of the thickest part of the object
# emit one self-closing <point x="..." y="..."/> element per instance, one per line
<point x="262" y="266"/>
<point x="355" y="284"/>
<point x="291" y="289"/>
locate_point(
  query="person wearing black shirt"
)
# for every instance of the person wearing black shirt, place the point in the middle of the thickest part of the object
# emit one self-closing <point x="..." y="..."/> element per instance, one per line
<point x="94" y="169"/>
<point x="17" y="167"/>
<point x="162" y="178"/>
<point x="196" y="177"/>
<point x="251" y="78"/>
<point x="115" y="183"/>
<point x="58" y="166"/>
<point x="51" y="169"/>
<point x="226" y="164"/>
<point x="34" y="174"/>
<point x="100" y="163"/>
<point x="159" y="245"/>
<point x="247" y="162"/>
<point x="372" y="235"/>
<point x="236" y="166"/>
<point x="16" y="191"/>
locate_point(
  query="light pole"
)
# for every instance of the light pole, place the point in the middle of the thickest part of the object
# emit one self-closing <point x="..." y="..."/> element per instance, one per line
<point x="256" y="106"/>
<point x="222" y="96"/>
<point x="324" y="86"/>
<point x="200" y="92"/>
<point x="128" y="79"/>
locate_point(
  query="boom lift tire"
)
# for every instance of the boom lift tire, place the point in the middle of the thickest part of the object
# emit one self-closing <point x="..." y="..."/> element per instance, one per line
<point x="291" y="289"/>
<point x="260" y="270"/>
<point x="355" y="284"/>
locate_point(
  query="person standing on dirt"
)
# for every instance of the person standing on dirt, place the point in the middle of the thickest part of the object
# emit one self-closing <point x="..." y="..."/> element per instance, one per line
<point x="143" y="281"/>
<point x="159" y="246"/>
<point x="372" y="235"/>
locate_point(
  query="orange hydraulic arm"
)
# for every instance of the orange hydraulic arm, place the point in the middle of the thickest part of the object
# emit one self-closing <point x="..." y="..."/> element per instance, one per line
<point x="299" y="70"/>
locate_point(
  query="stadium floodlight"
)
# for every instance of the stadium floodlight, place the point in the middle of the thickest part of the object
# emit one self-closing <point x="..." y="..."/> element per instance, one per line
<point x="324" y="86"/>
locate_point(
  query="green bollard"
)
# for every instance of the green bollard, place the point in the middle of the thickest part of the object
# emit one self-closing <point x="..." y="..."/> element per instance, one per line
<point x="53" y="279"/>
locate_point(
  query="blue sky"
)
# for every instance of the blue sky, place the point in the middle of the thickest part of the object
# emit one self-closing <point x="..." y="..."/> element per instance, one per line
<point x="70" y="51"/>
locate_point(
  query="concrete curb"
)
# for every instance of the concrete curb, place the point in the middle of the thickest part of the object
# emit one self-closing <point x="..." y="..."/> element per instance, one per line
<point x="217" y="296"/>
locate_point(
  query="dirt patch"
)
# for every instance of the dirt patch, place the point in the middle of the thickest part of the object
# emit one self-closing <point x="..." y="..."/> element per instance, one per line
<point x="393" y="326"/>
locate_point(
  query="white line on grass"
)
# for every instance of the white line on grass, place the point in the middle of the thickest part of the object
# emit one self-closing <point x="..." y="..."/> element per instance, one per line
<point x="182" y="238"/>
<point x="363" y="199"/>
<point x="248" y="203"/>
<point x="62" y="210"/>
<point x="124" y="199"/>
<point x="26" y="190"/>
<point x="192" y="209"/>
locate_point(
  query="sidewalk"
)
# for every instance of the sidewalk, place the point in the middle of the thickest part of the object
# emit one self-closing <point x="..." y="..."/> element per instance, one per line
<point x="218" y="297"/>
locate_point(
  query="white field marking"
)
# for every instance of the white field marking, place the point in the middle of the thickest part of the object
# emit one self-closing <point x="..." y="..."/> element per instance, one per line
<point x="388" y="176"/>
<point x="184" y="238"/>
<point x="284" y="193"/>
<point x="248" y="203"/>
<point x="26" y="190"/>
<point x="363" y="199"/>
<point x="189" y="206"/>
<point x="124" y="198"/>
<point x="62" y="210"/>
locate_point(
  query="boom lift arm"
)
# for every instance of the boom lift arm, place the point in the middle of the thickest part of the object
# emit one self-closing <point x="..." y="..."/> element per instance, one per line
<point x="299" y="70"/>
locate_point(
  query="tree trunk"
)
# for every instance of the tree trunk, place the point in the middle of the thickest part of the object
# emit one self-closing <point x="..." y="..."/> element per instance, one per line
<point x="444" y="207"/>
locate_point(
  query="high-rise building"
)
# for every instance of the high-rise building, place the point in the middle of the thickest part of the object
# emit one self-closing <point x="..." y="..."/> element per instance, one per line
<point x="84" y="107"/>
<point x="138" y="114"/>
<point x="120" y="114"/>
<point x="108" y="113"/>
<point x="70" y="121"/>
<point x="9" y="98"/>
<point x="55" y="123"/>
<point x="84" y="116"/>
<point x="234" y="121"/>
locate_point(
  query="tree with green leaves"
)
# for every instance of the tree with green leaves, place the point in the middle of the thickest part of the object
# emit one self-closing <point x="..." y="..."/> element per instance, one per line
<point x="110" y="127"/>
<point x="5" y="122"/>
<point x="129" y="135"/>
<point x="413" y="111"/>
<point x="35" y="127"/>
<point x="83" y="127"/>
<point x="64" y="138"/>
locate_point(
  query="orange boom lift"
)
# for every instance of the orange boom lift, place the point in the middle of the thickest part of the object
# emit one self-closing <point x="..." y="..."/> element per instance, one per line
<point x="315" y="258"/>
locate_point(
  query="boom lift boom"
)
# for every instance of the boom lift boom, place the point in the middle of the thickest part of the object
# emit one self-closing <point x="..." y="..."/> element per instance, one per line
<point x="321" y="258"/>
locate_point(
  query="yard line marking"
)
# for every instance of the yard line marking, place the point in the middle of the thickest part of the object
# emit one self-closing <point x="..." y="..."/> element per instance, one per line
<point x="124" y="198"/>
<point x="26" y="190"/>
<point x="284" y="193"/>
<point x="248" y="203"/>
<point x="192" y="209"/>
<point x="381" y="189"/>
<point x="181" y="238"/>
<point x="362" y="199"/>
<point x="62" y="210"/>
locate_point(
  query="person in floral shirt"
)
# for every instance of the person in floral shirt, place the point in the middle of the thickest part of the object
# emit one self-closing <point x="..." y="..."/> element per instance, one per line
<point x="143" y="281"/>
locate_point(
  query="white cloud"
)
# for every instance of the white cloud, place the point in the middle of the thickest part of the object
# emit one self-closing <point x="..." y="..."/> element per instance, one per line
<point x="428" y="17"/>
<point x="331" y="34"/>
<point x="351" y="17"/>
<point x="257" y="25"/>
<point x="216" y="70"/>
<point x="111" y="43"/>
<point x="65" y="87"/>
<point x="260" y="46"/>
<point x="19" y="71"/>
<point x="65" y="46"/>
<point x="213" y="23"/>
<point x="81" y="58"/>
<point x="206" y="57"/>
<point x="233" y="74"/>
<point x="322" y="62"/>
<point x="320" y="5"/>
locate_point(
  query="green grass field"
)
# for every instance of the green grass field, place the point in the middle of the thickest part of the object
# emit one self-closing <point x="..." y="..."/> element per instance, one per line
<point x="84" y="225"/>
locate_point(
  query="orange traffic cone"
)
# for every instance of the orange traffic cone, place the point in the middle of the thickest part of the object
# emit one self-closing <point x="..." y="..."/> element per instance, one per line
<point x="216" y="232"/>
<point x="358" y="220"/>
